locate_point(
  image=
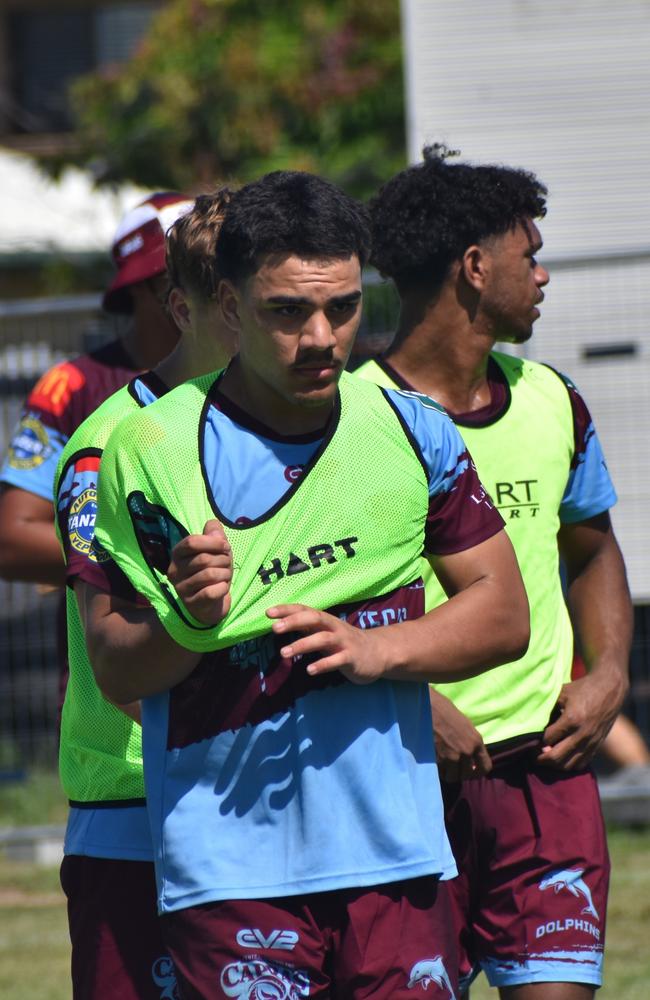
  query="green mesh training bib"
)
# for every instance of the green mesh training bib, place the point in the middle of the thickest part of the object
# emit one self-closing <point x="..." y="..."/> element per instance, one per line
<point x="100" y="750"/>
<point x="351" y="528"/>
<point x="523" y="459"/>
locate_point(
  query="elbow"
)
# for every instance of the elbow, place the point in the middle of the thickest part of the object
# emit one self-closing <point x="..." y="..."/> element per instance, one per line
<point x="115" y="687"/>
<point x="516" y="629"/>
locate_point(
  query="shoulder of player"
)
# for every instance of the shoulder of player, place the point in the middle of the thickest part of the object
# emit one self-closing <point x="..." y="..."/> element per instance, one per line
<point x="152" y="426"/>
<point x="62" y="394"/>
<point x="417" y="404"/>
<point x="110" y="355"/>
<point x="93" y="433"/>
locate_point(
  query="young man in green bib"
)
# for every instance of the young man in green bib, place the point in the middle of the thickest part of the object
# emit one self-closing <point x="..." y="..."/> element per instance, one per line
<point x="107" y="871"/>
<point x="461" y="243"/>
<point x="275" y="519"/>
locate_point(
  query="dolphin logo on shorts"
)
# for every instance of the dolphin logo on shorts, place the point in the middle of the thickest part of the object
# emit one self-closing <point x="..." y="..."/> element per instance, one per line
<point x="431" y="970"/>
<point x="571" y="879"/>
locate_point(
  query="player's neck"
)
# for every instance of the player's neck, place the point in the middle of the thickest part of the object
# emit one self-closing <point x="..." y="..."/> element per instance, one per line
<point x="445" y="356"/>
<point x="268" y="407"/>
<point x="188" y="361"/>
<point x="147" y="343"/>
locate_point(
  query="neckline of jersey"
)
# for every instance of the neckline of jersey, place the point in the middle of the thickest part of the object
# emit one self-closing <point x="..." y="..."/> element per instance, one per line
<point x="325" y="439"/>
<point x="500" y="395"/>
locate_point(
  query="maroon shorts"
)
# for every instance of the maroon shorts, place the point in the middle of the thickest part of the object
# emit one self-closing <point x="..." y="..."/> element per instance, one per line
<point x="531" y="896"/>
<point x="391" y="942"/>
<point x="117" y="947"/>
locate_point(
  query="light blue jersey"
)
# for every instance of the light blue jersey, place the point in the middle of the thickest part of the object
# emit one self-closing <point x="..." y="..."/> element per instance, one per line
<point x="262" y="781"/>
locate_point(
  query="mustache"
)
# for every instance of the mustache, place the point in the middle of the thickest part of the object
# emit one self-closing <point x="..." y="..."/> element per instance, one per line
<point x="311" y="359"/>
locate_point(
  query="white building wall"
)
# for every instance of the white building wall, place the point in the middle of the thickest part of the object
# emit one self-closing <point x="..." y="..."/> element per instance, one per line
<point x="563" y="90"/>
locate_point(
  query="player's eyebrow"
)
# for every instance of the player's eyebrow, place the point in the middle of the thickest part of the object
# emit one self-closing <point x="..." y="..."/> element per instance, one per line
<point x="299" y="300"/>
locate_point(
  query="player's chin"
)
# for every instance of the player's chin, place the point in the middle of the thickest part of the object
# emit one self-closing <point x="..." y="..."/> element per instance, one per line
<point x="316" y="395"/>
<point x="522" y="335"/>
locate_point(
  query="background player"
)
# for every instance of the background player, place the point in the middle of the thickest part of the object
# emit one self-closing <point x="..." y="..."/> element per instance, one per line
<point x="251" y="748"/>
<point x="107" y="872"/>
<point x="461" y="245"/>
<point x="66" y="394"/>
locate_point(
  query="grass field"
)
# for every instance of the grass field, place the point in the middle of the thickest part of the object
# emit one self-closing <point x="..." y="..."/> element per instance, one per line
<point x="34" y="947"/>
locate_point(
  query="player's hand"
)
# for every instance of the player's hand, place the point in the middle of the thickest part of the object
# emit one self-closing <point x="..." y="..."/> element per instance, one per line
<point x="356" y="652"/>
<point x="460" y="749"/>
<point x="201" y="571"/>
<point x="588" y="707"/>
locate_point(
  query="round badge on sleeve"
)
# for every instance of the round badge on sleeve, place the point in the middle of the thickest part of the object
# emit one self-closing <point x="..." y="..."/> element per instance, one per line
<point x="30" y="445"/>
<point x="81" y="523"/>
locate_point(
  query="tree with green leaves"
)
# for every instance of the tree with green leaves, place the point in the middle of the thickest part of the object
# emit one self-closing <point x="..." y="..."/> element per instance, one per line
<point x="228" y="89"/>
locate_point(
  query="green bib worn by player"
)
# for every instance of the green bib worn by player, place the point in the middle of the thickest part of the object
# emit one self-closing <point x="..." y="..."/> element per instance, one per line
<point x="294" y="551"/>
<point x="100" y="752"/>
<point x="523" y="460"/>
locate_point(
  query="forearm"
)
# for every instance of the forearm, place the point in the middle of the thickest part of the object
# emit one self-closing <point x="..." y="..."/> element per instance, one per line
<point x="30" y="551"/>
<point x="479" y="628"/>
<point x="601" y="612"/>
<point x="484" y="623"/>
<point x="131" y="654"/>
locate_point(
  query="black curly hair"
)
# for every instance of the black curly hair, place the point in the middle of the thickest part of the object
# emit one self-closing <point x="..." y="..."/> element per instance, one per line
<point x="425" y="217"/>
<point x="289" y="211"/>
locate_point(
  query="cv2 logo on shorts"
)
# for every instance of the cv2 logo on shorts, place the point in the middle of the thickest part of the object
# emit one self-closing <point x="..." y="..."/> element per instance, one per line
<point x="258" y="980"/>
<point x="431" y="970"/>
<point x="164" y="976"/>
<point x="253" y="937"/>
<point x="571" y="879"/>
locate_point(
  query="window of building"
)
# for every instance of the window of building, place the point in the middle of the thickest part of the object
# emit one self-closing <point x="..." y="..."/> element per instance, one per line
<point x="49" y="48"/>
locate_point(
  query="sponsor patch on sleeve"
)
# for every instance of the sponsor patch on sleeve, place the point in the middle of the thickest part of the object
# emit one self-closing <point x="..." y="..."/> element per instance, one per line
<point x="30" y="446"/>
<point x="53" y="390"/>
<point x="80" y="499"/>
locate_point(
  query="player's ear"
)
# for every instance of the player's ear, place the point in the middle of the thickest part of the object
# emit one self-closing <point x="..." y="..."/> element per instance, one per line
<point x="473" y="267"/>
<point x="229" y="301"/>
<point x="180" y="308"/>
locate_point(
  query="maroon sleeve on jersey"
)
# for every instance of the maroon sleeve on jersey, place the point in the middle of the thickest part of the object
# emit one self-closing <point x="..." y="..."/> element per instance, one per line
<point x="583" y="425"/>
<point x="105" y="576"/>
<point x="462" y="517"/>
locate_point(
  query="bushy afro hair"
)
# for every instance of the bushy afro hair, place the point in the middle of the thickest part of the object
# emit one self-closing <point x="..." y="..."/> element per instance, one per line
<point x="425" y="217"/>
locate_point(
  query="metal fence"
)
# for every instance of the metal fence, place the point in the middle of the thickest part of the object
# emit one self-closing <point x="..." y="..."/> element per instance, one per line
<point x="33" y="336"/>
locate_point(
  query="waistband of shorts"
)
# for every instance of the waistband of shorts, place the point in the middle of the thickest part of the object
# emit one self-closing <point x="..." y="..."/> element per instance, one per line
<point x="522" y="749"/>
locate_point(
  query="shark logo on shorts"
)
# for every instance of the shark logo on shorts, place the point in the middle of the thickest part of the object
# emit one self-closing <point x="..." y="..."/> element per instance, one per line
<point x="256" y="979"/>
<point x="431" y="970"/>
<point x="571" y="879"/>
<point x="164" y="976"/>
